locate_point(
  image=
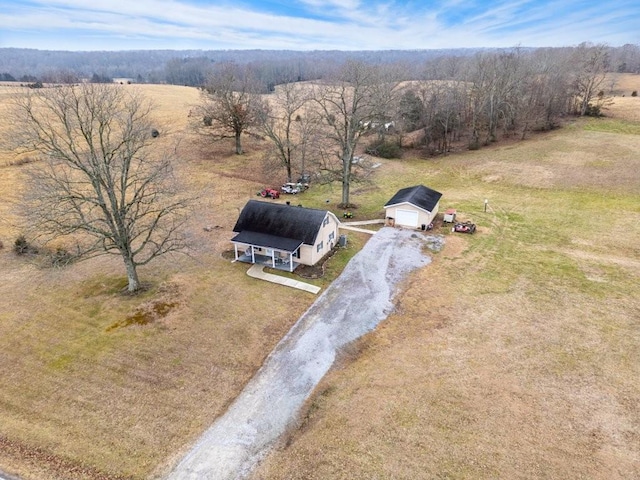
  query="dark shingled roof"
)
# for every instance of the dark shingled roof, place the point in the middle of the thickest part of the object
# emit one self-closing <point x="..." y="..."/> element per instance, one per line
<point x="419" y="195"/>
<point x="267" y="241"/>
<point x="278" y="220"/>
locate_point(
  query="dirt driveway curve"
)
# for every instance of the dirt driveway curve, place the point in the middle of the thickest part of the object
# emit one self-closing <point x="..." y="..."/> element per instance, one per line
<point x="353" y="305"/>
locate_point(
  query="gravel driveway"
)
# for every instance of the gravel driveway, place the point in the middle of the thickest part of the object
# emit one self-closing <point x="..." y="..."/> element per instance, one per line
<point x="352" y="306"/>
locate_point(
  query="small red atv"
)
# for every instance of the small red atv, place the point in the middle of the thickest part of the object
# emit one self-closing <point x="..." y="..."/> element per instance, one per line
<point x="269" y="193"/>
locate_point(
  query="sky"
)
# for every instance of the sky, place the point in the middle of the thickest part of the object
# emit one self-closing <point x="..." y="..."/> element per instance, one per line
<point x="89" y="25"/>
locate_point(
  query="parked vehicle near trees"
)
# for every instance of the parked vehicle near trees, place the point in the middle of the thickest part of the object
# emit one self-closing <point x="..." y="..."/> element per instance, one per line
<point x="293" y="188"/>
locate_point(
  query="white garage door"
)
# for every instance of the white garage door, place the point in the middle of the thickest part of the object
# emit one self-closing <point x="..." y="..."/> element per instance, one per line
<point x="408" y="218"/>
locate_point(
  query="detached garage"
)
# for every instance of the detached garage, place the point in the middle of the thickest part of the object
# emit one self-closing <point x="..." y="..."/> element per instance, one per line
<point x="413" y="207"/>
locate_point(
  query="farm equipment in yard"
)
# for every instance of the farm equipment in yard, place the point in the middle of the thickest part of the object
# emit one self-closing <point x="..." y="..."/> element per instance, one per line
<point x="269" y="193"/>
<point x="464" y="227"/>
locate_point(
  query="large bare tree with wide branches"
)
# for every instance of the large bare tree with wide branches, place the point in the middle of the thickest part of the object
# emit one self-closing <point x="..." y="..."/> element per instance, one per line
<point x="358" y="95"/>
<point x="100" y="185"/>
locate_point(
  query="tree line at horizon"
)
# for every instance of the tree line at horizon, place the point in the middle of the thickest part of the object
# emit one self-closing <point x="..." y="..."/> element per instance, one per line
<point x="272" y="67"/>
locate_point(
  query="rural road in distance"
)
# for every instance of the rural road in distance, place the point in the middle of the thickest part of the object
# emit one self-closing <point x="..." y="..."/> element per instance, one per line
<point x="350" y="307"/>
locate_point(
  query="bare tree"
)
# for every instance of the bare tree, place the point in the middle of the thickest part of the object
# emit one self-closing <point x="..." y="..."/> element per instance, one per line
<point x="496" y="78"/>
<point x="590" y="65"/>
<point x="229" y="104"/>
<point x="451" y="100"/>
<point x="384" y="98"/>
<point x="346" y="105"/>
<point x="410" y="111"/>
<point x="187" y="71"/>
<point x="284" y="121"/>
<point x="545" y="92"/>
<point x="64" y="76"/>
<point x="626" y="59"/>
<point x="435" y="107"/>
<point x="99" y="185"/>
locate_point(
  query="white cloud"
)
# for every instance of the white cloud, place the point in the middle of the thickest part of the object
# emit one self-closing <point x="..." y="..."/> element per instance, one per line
<point x="369" y="25"/>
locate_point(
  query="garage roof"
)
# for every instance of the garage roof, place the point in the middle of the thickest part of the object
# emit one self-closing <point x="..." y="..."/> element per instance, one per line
<point x="419" y="196"/>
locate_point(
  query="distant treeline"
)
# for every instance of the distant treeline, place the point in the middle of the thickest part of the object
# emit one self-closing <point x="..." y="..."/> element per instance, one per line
<point x="191" y="67"/>
<point x="270" y="67"/>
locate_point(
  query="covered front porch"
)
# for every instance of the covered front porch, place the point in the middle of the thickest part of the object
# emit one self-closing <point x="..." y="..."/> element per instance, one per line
<point x="274" y="261"/>
<point x="275" y="252"/>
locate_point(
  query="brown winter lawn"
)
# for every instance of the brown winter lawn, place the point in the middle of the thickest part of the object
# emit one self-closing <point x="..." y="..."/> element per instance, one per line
<point x="515" y="354"/>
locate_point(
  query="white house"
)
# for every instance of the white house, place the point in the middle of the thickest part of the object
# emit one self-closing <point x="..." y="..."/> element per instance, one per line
<point x="283" y="236"/>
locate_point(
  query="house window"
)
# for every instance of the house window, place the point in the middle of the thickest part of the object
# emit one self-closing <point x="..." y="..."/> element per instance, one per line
<point x="332" y="235"/>
<point x="326" y="221"/>
<point x="319" y="247"/>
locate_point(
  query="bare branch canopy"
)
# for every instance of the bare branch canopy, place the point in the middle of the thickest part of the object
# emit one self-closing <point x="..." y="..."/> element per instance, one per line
<point x="101" y="185"/>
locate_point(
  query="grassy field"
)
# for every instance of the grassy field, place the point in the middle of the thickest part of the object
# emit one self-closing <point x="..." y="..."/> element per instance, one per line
<point x="515" y="354"/>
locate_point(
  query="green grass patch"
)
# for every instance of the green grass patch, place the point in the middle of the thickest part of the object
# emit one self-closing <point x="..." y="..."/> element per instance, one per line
<point x="334" y="265"/>
<point x="61" y="362"/>
<point x="612" y="125"/>
<point x="103" y="285"/>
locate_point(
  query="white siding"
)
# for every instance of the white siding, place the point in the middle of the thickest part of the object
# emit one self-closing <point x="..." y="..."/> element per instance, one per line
<point x="407" y="218"/>
<point x="410" y="216"/>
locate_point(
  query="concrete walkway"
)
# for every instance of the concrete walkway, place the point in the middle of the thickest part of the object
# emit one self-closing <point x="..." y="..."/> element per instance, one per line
<point x="377" y="221"/>
<point x="353" y="226"/>
<point x="356" y="229"/>
<point x="257" y="271"/>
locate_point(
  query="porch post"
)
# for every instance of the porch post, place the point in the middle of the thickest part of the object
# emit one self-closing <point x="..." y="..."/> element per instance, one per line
<point x="253" y="257"/>
<point x="235" y="247"/>
<point x="273" y="258"/>
<point x="290" y="261"/>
